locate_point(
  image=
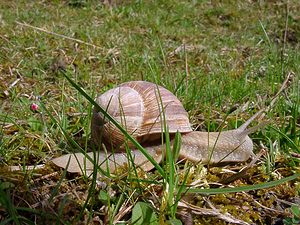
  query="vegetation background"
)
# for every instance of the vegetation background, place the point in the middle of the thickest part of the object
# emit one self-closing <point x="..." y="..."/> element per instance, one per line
<point x="224" y="60"/>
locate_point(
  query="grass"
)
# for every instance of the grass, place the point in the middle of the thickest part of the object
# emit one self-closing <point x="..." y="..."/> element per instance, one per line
<point x="236" y="56"/>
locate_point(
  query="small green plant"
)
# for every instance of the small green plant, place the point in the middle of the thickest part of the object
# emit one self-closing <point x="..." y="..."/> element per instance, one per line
<point x="212" y="56"/>
<point x="143" y="213"/>
<point x="295" y="219"/>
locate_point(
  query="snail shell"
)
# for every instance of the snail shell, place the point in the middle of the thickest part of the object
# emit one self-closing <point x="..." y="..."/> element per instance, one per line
<point x="140" y="107"/>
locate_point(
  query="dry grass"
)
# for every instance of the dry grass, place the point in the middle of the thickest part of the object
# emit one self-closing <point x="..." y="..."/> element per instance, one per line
<point x="216" y="57"/>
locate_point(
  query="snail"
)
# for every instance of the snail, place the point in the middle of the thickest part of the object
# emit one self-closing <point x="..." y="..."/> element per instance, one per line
<point x="142" y="108"/>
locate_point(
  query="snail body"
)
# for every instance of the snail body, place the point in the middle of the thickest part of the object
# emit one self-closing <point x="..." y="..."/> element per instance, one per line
<point x="142" y="108"/>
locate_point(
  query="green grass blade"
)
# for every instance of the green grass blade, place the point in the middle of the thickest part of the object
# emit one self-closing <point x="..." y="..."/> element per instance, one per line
<point x="89" y="199"/>
<point x="176" y="146"/>
<point x="71" y="141"/>
<point x="265" y="33"/>
<point x="113" y="121"/>
<point x="118" y="206"/>
<point x="270" y="184"/>
<point x="287" y="138"/>
<point x="57" y="186"/>
<point x="181" y="188"/>
<point x="170" y="163"/>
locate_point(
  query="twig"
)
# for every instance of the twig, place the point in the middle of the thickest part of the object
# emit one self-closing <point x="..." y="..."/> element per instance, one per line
<point x="75" y="114"/>
<point x="122" y="212"/>
<point x="261" y="206"/>
<point x="211" y="212"/>
<point x="296" y="155"/>
<point x="124" y="209"/>
<point x="6" y="92"/>
<point x="21" y="168"/>
<point x="243" y="171"/>
<point x="56" y="34"/>
<point x="280" y="212"/>
<point x="284" y="201"/>
<point x="45" y="177"/>
<point x="284" y="86"/>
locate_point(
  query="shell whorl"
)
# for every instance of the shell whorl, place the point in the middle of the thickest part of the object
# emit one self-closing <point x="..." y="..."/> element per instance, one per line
<point x="140" y="107"/>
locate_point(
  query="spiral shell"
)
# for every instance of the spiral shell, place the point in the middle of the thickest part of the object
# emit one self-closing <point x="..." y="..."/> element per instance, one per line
<point x="140" y="107"/>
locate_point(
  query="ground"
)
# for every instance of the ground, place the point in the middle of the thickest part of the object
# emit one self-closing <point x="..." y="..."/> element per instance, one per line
<point x="223" y="60"/>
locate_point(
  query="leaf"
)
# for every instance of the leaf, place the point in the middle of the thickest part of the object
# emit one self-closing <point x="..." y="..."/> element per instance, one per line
<point x="35" y="124"/>
<point x="6" y="185"/>
<point x="296" y="211"/>
<point x="143" y="214"/>
<point x="103" y="197"/>
<point x="175" y="222"/>
<point x="270" y="184"/>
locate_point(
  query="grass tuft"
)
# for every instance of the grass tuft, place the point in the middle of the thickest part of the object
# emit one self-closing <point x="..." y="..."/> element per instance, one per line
<point x="222" y="60"/>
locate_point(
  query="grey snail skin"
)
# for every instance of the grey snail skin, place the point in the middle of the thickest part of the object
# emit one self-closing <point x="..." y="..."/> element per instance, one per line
<point x="142" y="108"/>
